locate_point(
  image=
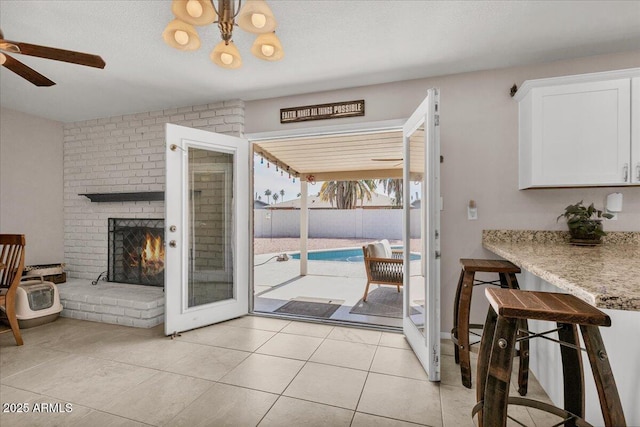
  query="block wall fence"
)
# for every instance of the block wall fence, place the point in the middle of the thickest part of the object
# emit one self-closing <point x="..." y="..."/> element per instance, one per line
<point x="333" y="223"/>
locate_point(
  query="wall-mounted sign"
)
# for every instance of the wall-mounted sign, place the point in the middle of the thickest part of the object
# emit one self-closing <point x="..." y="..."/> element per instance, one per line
<point x="322" y="111"/>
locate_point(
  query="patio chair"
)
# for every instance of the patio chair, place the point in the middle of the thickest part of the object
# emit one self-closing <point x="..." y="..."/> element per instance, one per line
<point x="383" y="265"/>
<point x="11" y="266"/>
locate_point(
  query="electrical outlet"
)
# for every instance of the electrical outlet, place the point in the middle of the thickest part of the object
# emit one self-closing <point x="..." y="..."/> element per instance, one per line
<point x="472" y="214"/>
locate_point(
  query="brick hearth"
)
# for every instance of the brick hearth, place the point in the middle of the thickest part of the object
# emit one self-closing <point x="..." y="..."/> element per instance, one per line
<point x="117" y="303"/>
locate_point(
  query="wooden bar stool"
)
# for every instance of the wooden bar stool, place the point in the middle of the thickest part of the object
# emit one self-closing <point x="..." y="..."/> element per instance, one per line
<point x="462" y="306"/>
<point x="510" y="306"/>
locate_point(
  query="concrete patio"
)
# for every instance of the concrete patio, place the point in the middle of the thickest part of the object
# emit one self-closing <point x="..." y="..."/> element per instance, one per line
<point x="277" y="282"/>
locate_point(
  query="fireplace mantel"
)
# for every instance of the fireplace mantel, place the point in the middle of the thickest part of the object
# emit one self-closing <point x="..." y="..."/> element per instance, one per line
<point x="139" y="196"/>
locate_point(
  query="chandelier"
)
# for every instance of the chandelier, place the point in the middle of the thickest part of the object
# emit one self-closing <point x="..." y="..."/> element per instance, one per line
<point x="254" y="16"/>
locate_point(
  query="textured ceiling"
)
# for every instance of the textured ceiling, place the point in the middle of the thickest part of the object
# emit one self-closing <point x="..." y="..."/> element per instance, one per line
<point x="328" y="45"/>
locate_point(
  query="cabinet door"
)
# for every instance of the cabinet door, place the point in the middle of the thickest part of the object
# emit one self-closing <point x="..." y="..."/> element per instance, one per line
<point x="581" y="134"/>
<point x="635" y="130"/>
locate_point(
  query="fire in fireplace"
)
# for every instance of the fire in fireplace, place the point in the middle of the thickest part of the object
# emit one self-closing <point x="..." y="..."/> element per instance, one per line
<point x="136" y="251"/>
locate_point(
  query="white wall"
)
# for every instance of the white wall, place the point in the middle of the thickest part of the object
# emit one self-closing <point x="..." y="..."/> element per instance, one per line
<point x="31" y="184"/>
<point x="479" y="136"/>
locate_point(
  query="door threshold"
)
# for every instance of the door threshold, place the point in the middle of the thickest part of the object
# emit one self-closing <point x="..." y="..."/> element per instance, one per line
<point x="334" y="322"/>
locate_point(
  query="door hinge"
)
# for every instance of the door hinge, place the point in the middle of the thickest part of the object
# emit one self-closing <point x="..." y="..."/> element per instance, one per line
<point x="438" y="255"/>
<point x="437" y="234"/>
<point x="436" y="120"/>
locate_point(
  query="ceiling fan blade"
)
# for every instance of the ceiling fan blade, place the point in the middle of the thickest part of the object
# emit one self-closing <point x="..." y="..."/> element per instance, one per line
<point x="25" y="72"/>
<point x="9" y="47"/>
<point x="70" y="56"/>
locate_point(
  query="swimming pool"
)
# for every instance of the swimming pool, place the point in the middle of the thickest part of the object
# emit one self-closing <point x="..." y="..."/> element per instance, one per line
<point x="341" y="255"/>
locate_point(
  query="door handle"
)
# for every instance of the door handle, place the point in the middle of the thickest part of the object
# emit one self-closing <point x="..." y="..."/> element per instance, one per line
<point x="625" y="172"/>
<point x="638" y="172"/>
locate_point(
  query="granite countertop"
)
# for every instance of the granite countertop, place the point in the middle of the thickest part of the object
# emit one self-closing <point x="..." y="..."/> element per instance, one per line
<point x="606" y="276"/>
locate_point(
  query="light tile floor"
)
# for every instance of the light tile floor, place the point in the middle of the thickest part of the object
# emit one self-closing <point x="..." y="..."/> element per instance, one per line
<point x="245" y="372"/>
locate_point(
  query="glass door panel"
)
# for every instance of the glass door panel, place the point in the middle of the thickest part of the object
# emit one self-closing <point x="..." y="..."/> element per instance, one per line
<point x="211" y="220"/>
<point x="416" y="269"/>
<point x="421" y="314"/>
<point x="207" y="228"/>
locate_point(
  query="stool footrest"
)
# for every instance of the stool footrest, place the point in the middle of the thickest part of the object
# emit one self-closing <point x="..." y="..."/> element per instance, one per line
<point x="454" y="332"/>
<point x="530" y="335"/>
<point x="541" y="406"/>
<point x="478" y="282"/>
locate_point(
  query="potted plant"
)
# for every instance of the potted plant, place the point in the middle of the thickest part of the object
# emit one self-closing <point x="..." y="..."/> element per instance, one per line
<point x="585" y="223"/>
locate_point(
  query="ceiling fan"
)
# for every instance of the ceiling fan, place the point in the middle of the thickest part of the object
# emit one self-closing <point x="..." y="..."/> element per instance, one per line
<point x="28" y="73"/>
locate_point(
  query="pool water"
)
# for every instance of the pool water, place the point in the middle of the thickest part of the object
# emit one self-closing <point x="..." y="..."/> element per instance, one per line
<point x="341" y="255"/>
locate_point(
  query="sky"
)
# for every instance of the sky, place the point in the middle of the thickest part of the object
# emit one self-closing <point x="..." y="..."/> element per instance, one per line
<point x="267" y="178"/>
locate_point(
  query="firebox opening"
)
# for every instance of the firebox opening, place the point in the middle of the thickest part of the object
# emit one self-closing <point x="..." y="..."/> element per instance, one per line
<point x="136" y="251"/>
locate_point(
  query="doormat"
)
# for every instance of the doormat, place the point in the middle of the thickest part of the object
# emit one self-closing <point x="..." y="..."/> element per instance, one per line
<point x="310" y="309"/>
<point x="385" y="301"/>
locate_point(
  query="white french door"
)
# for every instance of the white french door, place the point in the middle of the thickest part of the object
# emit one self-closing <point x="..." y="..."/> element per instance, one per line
<point x="206" y="228"/>
<point x="421" y="308"/>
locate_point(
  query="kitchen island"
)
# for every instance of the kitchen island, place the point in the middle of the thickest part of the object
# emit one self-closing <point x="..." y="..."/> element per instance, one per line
<point x="606" y="276"/>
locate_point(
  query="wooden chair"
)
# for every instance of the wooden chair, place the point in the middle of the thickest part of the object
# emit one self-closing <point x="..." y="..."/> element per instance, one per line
<point x="384" y="267"/>
<point x="12" y="261"/>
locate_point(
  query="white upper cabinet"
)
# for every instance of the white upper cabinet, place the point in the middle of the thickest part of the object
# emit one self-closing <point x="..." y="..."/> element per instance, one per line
<point x="577" y="130"/>
<point x="635" y="130"/>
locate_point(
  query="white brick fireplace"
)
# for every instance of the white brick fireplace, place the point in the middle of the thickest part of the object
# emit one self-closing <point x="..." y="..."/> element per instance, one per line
<point x="119" y="155"/>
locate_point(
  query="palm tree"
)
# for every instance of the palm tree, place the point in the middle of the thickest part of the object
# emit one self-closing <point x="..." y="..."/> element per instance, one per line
<point x="267" y="193"/>
<point x="282" y="194"/>
<point x="393" y="187"/>
<point x="347" y="193"/>
<point x="275" y="197"/>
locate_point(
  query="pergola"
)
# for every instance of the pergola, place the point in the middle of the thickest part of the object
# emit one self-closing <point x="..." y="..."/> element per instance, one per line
<point x="340" y="156"/>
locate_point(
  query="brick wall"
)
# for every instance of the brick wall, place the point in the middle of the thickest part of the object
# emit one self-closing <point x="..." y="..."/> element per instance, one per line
<point x="123" y="154"/>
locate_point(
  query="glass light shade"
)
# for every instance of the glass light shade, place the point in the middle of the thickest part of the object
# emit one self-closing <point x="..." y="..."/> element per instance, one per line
<point x="181" y="37"/>
<point x="3" y="58"/>
<point x="174" y="36"/>
<point x="251" y="16"/>
<point x="186" y="10"/>
<point x="258" y="20"/>
<point x="226" y="56"/>
<point x="194" y="9"/>
<point x="267" y="47"/>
